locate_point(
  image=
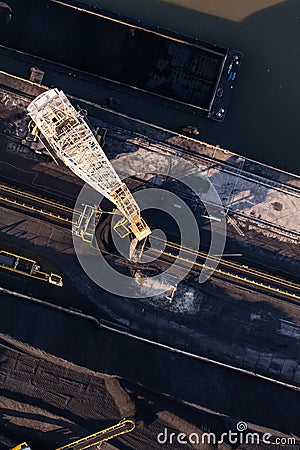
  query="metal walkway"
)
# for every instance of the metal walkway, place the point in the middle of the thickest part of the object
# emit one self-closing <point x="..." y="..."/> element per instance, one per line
<point x="93" y="441"/>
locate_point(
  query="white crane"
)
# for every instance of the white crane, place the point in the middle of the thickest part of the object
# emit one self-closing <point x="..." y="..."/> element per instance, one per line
<point x="72" y="141"/>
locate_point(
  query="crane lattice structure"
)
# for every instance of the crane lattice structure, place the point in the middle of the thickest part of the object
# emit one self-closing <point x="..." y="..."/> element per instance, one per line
<point x="74" y="143"/>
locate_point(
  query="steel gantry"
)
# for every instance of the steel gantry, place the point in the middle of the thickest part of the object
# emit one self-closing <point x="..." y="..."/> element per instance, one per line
<point x="72" y="141"/>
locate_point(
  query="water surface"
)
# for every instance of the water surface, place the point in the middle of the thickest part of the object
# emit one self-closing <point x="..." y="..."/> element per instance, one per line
<point x="262" y="122"/>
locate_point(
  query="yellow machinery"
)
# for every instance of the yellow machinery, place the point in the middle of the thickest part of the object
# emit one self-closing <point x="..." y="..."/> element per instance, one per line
<point x="28" y="267"/>
<point x="22" y="446"/>
<point x="94" y="440"/>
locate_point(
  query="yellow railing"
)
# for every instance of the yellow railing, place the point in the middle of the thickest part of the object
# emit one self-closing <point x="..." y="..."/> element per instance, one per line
<point x="124" y="426"/>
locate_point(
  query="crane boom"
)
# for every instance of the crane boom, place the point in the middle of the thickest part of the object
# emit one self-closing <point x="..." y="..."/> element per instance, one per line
<point x="73" y="142"/>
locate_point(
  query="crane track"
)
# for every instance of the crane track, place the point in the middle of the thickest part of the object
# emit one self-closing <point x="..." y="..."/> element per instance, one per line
<point x="63" y="215"/>
<point x="34" y="205"/>
<point x="235" y="272"/>
<point x="94" y="441"/>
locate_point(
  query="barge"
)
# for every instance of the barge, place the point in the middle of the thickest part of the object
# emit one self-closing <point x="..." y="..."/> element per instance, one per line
<point x="178" y="71"/>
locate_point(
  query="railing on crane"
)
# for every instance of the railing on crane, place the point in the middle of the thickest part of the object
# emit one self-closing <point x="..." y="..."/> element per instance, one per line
<point x="72" y="141"/>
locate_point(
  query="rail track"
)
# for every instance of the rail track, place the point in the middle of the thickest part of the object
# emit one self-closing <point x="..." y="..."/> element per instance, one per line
<point x="238" y="273"/>
<point x="233" y="271"/>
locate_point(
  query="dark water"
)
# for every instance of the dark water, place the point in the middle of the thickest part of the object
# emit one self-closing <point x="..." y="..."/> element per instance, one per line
<point x="263" y="117"/>
<point x="264" y="113"/>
